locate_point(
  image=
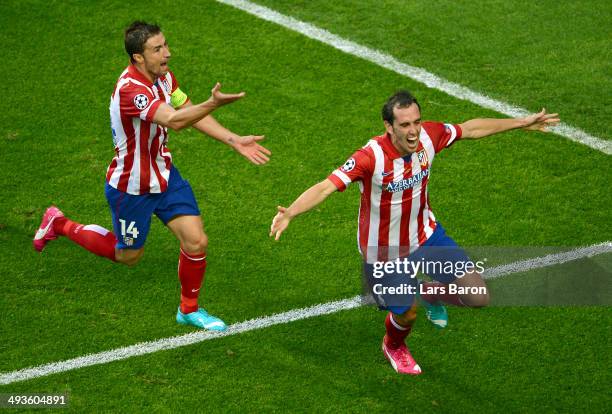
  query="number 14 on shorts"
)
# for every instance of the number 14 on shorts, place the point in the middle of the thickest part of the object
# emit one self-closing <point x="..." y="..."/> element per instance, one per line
<point x="128" y="233"/>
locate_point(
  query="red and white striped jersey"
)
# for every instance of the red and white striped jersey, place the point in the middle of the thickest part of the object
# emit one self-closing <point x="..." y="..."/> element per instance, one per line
<point x="142" y="162"/>
<point x="395" y="216"/>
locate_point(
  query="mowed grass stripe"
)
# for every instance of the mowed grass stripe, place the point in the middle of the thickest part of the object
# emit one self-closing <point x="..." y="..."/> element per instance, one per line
<point x="417" y="74"/>
<point x="267" y="321"/>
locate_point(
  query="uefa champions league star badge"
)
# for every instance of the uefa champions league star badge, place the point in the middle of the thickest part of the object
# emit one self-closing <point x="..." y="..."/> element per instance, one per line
<point x="141" y="101"/>
<point x="348" y="165"/>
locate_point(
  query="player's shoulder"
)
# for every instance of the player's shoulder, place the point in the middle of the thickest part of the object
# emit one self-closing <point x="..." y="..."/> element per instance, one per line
<point x="127" y="79"/>
<point x="128" y="86"/>
<point x="365" y="154"/>
<point x="436" y="129"/>
<point x="368" y="148"/>
<point x="433" y="126"/>
<point x="377" y="140"/>
<point x="376" y="145"/>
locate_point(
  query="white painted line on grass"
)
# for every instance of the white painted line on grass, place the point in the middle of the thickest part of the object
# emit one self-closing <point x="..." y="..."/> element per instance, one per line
<point x="144" y="348"/>
<point x="548" y="260"/>
<point x="177" y="341"/>
<point x="412" y="72"/>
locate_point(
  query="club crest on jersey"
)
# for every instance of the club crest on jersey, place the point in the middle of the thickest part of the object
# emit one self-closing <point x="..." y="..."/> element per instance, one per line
<point x="166" y="85"/>
<point x="423" y="159"/>
<point x="405" y="184"/>
<point x="141" y="101"/>
<point x="348" y="165"/>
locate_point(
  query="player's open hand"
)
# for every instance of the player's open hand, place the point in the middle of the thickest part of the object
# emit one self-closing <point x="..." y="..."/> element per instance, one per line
<point x="541" y="121"/>
<point x="251" y="150"/>
<point x="279" y="223"/>
<point x="219" y="98"/>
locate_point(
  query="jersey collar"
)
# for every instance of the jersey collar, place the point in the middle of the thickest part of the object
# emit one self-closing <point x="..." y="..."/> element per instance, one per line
<point x="136" y="74"/>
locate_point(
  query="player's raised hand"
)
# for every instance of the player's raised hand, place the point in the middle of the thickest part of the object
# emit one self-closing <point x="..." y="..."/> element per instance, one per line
<point x="219" y="98"/>
<point x="249" y="147"/>
<point x="280" y="222"/>
<point x="541" y="121"/>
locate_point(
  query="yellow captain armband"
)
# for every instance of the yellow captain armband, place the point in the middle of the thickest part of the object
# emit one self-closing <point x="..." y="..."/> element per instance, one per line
<point x="178" y="98"/>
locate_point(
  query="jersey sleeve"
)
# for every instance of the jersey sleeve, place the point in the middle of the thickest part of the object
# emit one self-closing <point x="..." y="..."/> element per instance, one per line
<point x="356" y="168"/>
<point x="177" y="96"/>
<point x="137" y="101"/>
<point x="442" y="135"/>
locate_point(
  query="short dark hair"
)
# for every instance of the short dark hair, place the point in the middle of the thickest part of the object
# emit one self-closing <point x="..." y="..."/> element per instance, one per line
<point x="401" y="99"/>
<point x="136" y="35"/>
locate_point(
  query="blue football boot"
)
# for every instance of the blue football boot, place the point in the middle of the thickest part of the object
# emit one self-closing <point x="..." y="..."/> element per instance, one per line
<point x="436" y="313"/>
<point x="200" y="319"/>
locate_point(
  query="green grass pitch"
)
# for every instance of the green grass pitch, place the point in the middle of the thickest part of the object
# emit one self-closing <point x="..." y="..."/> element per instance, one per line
<point x="315" y="105"/>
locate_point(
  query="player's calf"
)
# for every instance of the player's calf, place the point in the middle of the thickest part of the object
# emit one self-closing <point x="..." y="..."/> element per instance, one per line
<point x="92" y="237"/>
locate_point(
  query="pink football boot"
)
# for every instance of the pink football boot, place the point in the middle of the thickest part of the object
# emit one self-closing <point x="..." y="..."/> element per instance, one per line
<point x="401" y="360"/>
<point x="45" y="232"/>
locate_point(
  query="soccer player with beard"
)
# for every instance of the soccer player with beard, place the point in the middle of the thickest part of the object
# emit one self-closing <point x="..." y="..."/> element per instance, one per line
<point x="142" y="180"/>
<point x="395" y="217"/>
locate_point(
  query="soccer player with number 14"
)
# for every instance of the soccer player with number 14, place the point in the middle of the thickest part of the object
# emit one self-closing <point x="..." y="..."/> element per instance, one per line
<point x="142" y="180"/>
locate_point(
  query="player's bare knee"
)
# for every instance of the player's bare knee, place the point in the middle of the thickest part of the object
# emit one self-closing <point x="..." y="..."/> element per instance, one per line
<point x="482" y="300"/>
<point x="128" y="257"/>
<point x="476" y="293"/>
<point x="196" y="245"/>
<point x="477" y="300"/>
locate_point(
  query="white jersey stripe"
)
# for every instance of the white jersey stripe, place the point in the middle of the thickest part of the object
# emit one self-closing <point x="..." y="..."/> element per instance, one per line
<point x="155" y="185"/>
<point x="361" y="190"/>
<point x="134" y="180"/>
<point x="141" y="84"/>
<point x="428" y="145"/>
<point x="120" y="147"/>
<point x="453" y="133"/>
<point x="345" y="179"/>
<point x="375" y="196"/>
<point x="143" y="114"/>
<point x="161" y="161"/>
<point x="429" y="148"/>
<point x="426" y="217"/>
<point x="413" y="234"/>
<point x="395" y="216"/>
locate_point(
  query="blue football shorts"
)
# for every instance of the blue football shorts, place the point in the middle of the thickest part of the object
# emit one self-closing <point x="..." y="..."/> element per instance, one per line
<point x="395" y="287"/>
<point x="132" y="213"/>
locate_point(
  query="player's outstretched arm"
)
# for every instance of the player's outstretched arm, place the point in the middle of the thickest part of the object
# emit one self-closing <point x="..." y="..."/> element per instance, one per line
<point x="308" y="200"/>
<point x="248" y="146"/>
<point x="479" y="128"/>
<point x="188" y="115"/>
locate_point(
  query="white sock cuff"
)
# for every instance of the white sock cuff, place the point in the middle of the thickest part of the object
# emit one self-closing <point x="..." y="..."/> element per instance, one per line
<point x="190" y="257"/>
<point x="397" y="325"/>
